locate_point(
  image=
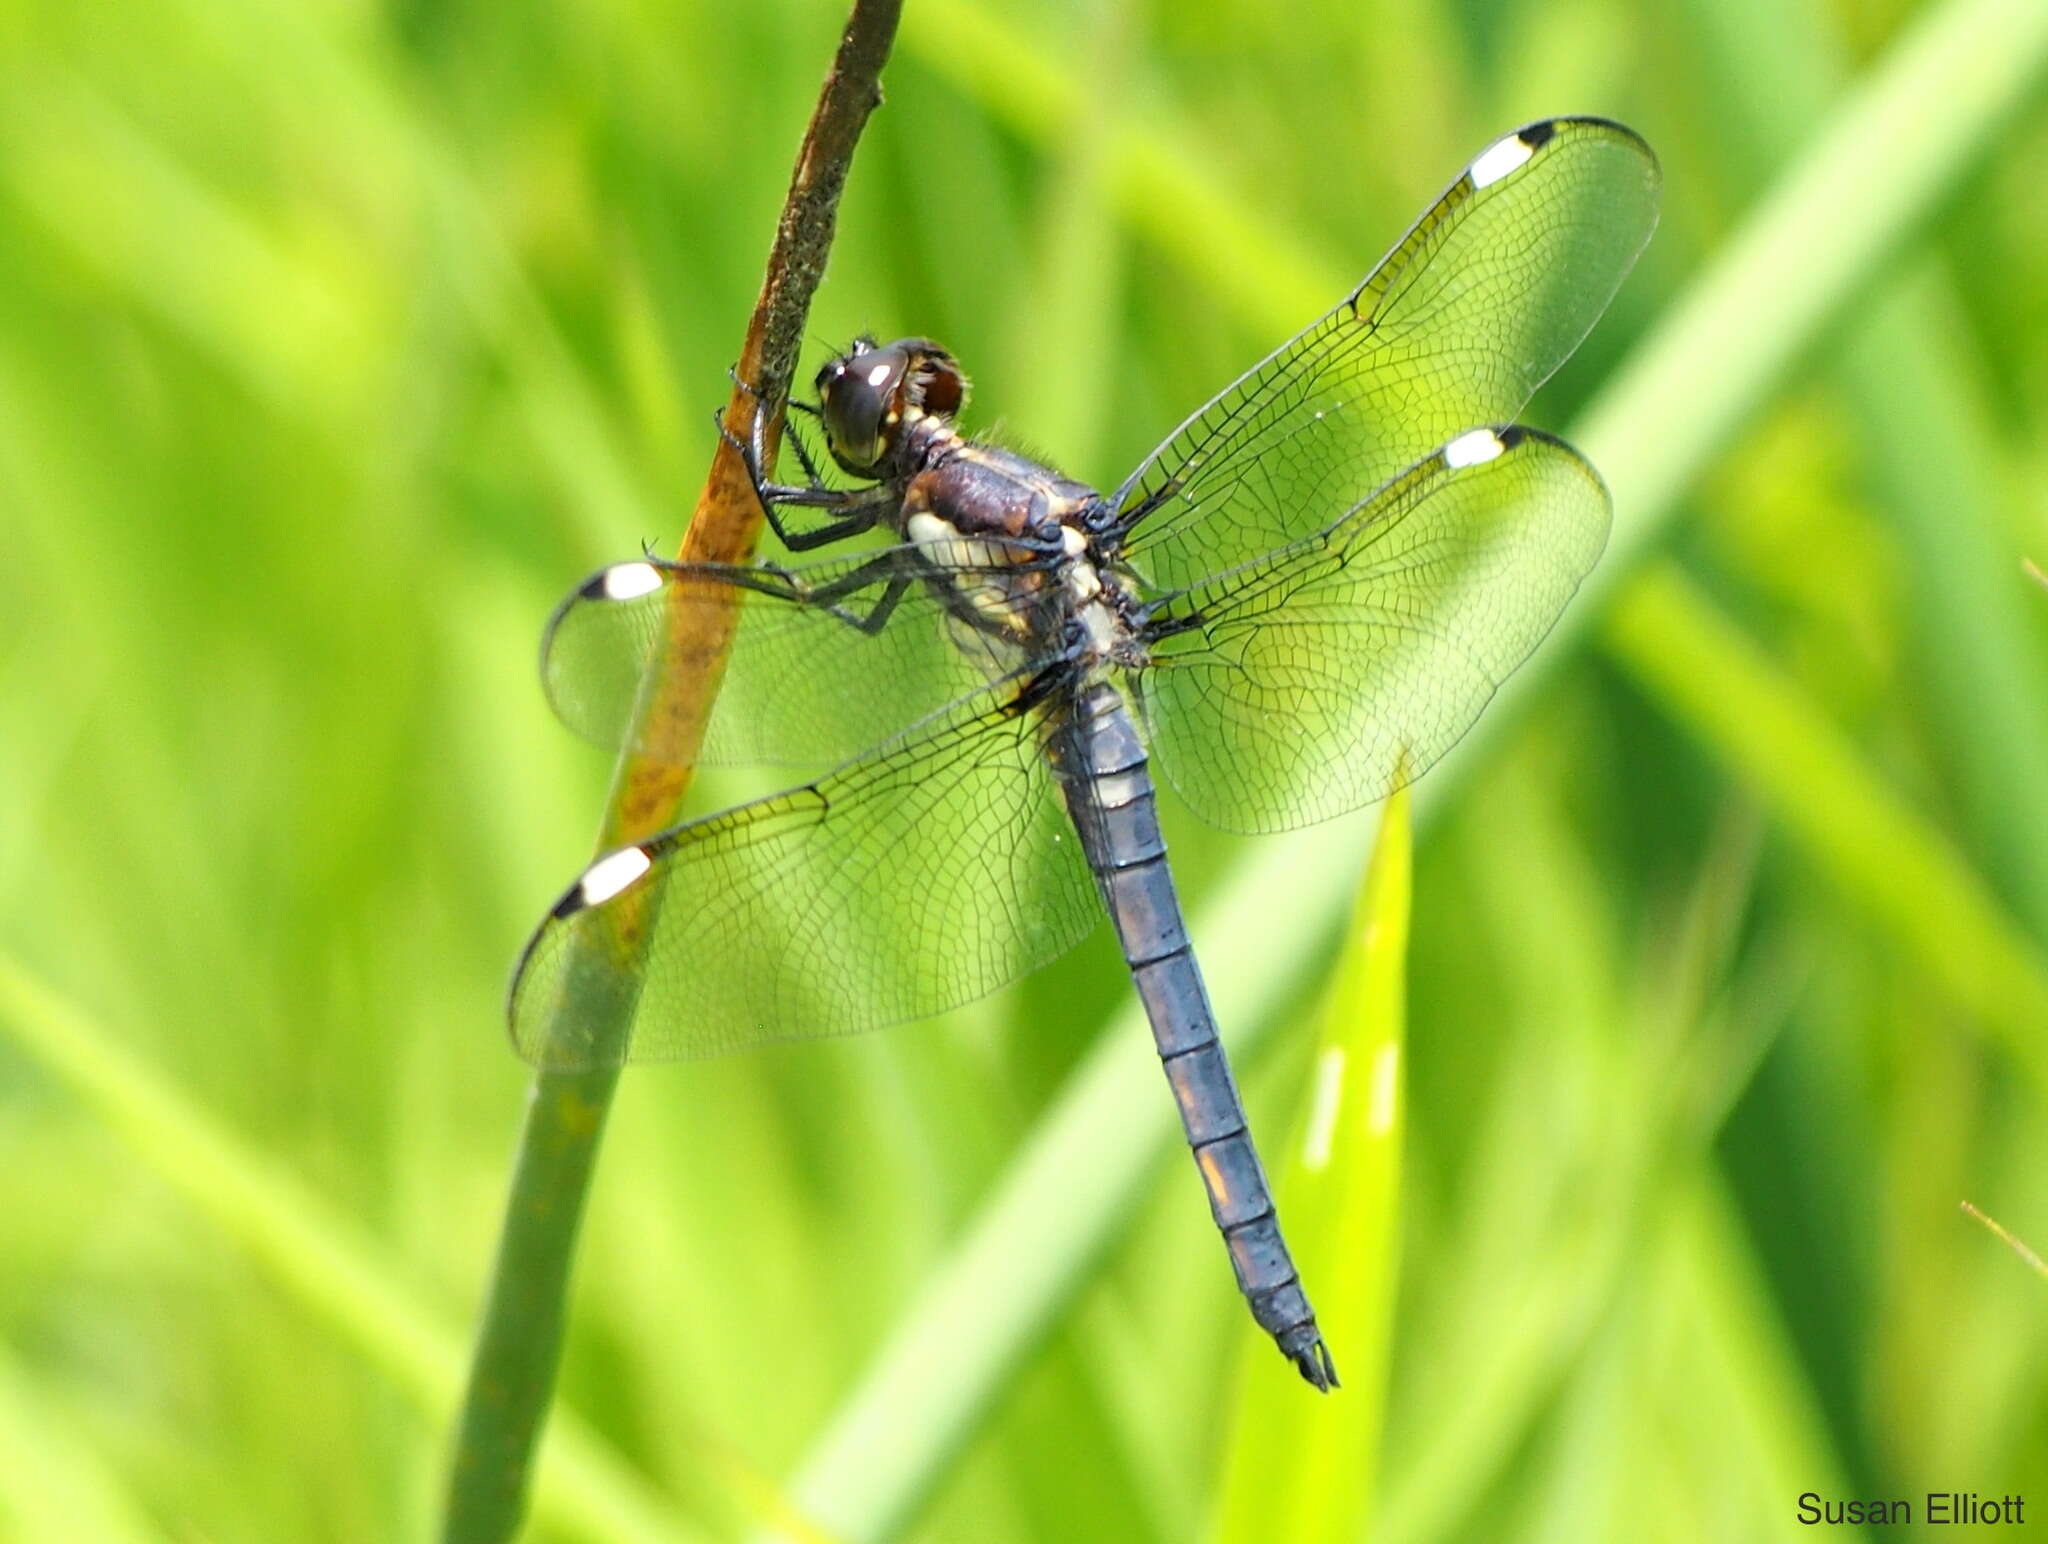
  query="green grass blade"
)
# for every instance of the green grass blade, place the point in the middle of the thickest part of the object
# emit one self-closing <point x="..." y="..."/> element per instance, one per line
<point x="1934" y="456"/>
<point x="310" y="1254"/>
<point x="1928" y="899"/>
<point x="1166" y="195"/>
<point x="1300" y="1469"/>
<point x="1755" y="1415"/>
<point x="1540" y="1321"/>
<point x="1998" y="1230"/>
<point x="54" y="1489"/>
<point x="1936" y="464"/>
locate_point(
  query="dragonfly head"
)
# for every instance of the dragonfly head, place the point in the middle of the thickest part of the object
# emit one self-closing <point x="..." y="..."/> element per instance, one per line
<point x="873" y="389"/>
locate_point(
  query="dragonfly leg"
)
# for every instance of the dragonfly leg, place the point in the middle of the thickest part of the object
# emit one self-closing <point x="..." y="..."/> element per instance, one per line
<point x="804" y="459"/>
<point x="857" y="509"/>
<point x="859" y="512"/>
<point x="884" y="569"/>
<point x="878" y="615"/>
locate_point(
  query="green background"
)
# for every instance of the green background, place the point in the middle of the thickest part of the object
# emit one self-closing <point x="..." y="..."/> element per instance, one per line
<point x="337" y="339"/>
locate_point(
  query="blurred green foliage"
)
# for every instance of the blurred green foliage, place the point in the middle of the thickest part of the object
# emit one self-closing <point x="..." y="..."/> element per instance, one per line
<point x="337" y="339"/>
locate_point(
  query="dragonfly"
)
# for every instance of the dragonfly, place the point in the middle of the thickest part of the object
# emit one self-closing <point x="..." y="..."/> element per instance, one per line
<point x="1297" y="602"/>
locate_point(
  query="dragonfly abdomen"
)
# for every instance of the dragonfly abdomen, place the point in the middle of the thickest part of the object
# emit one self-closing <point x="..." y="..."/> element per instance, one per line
<point x="1108" y="790"/>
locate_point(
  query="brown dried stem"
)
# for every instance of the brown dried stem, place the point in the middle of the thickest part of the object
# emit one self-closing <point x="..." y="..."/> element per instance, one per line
<point x="519" y="1343"/>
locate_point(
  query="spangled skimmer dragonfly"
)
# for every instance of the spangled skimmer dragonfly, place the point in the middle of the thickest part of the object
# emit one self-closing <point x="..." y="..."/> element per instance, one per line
<point x="1300" y="599"/>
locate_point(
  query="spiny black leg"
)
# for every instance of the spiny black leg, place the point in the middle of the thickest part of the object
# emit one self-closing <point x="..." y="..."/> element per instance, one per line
<point x="865" y="510"/>
<point x="718" y="423"/>
<point x="796" y="443"/>
<point x="732" y="373"/>
<point x="757" y="442"/>
<point x="858" y="507"/>
<point x="753" y="448"/>
<point x="754" y="453"/>
<point x="877" y="616"/>
<point x="884" y="567"/>
<point x="757" y="451"/>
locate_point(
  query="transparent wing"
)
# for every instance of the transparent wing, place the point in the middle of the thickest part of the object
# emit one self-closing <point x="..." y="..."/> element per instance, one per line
<point x="923" y="875"/>
<point x="804" y="685"/>
<point x="1322" y="676"/>
<point x="1486" y="295"/>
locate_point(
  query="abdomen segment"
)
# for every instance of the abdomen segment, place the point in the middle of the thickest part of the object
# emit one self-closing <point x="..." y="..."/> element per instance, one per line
<point x="1108" y="790"/>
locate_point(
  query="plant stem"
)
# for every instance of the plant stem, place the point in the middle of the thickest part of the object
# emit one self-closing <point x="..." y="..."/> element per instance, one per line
<point x="2028" y="1258"/>
<point x="519" y="1344"/>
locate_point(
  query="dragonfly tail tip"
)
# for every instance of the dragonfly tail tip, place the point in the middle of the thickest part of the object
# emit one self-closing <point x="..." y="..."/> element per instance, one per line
<point x="1313" y="1361"/>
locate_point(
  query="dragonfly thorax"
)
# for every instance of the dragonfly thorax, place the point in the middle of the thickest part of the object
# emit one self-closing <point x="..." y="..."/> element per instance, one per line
<point x="1011" y="543"/>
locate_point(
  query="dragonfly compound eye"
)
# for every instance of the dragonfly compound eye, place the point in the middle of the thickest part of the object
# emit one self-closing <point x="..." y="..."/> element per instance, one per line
<point x="859" y="390"/>
<point x="870" y="390"/>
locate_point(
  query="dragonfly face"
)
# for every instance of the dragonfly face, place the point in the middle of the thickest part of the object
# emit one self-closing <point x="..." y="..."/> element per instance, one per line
<point x="1308" y="591"/>
<point x="868" y="393"/>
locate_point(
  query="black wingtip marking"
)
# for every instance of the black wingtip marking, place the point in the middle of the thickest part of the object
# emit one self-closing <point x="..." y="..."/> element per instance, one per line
<point x="1513" y="436"/>
<point x="1540" y="133"/>
<point x="1491" y="442"/>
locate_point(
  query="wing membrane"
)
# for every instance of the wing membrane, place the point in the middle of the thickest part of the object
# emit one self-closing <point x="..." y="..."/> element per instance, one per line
<point x="921" y="876"/>
<point x="803" y="685"/>
<point x="1320" y="677"/>
<point x="1477" y="305"/>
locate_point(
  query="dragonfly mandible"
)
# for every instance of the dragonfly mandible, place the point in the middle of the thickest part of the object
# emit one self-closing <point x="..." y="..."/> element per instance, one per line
<point x="1300" y="599"/>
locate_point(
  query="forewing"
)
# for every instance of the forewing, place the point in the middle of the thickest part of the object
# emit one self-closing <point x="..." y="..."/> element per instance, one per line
<point x="803" y="685"/>
<point x="1472" y="310"/>
<point x="1324" y="675"/>
<point x="921" y="876"/>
